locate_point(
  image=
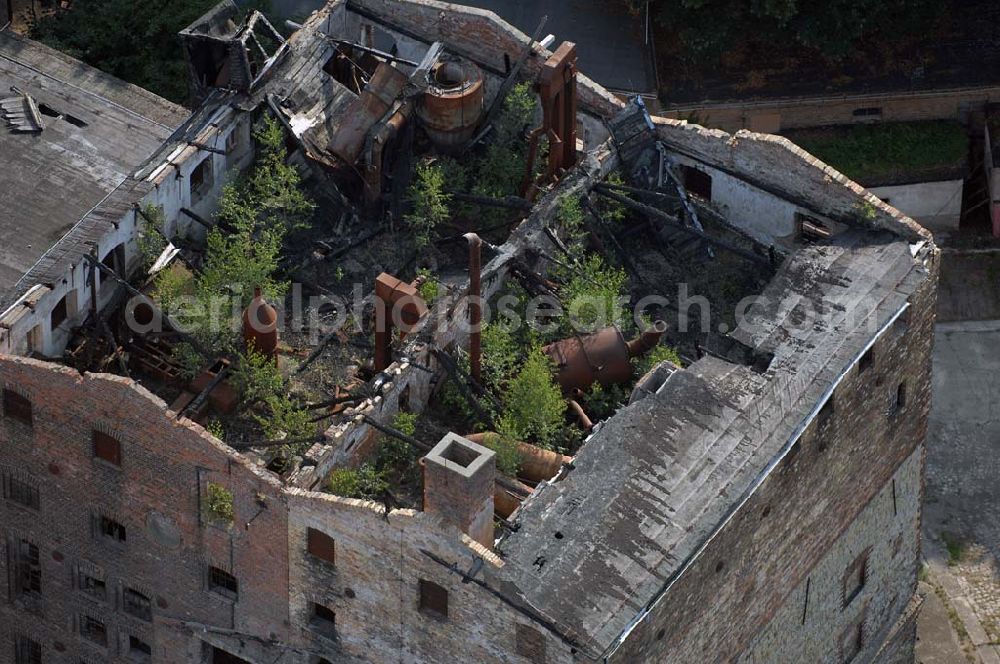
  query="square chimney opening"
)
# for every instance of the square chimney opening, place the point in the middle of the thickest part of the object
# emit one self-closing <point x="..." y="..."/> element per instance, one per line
<point x="460" y="455"/>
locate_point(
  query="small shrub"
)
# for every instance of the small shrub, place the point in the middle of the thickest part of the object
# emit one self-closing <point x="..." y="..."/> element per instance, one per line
<point x="660" y="353"/>
<point x="456" y="174"/>
<point x="601" y="402"/>
<point x="430" y="290"/>
<point x="501" y="356"/>
<point x="285" y="417"/>
<point x="508" y="457"/>
<point x="593" y="297"/>
<point x="219" y="502"/>
<point x="571" y="217"/>
<point x="517" y="115"/>
<point x="405" y="423"/>
<point x="216" y="428"/>
<point x="371" y="481"/>
<point x="611" y="211"/>
<point x="169" y="286"/>
<point x="956" y="548"/>
<point x="533" y="406"/>
<point x="499" y="173"/>
<point x="365" y="482"/>
<point x="258" y="376"/>
<point x="343" y="482"/>
<point x="429" y="201"/>
<point x="188" y="359"/>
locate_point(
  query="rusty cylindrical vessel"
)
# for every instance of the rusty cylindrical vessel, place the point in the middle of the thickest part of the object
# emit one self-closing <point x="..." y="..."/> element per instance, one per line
<point x="260" y="326"/>
<point x="453" y="103"/>
<point x="537" y="464"/>
<point x="602" y="356"/>
<point x="581" y="360"/>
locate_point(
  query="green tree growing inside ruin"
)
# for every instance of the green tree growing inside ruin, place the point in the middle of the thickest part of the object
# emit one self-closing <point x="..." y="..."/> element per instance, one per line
<point x="429" y="201"/>
<point x="129" y="39"/>
<point x="534" y="409"/>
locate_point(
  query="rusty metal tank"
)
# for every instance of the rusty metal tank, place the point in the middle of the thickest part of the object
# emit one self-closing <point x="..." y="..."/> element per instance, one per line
<point x="452" y="106"/>
<point x="602" y="356"/>
<point x="260" y="326"/>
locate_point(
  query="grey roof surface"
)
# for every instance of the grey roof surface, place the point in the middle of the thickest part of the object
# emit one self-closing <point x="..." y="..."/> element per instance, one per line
<point x="50" y="180"/>
<point x="645" y="491"/>
<point x="611" y="43"/>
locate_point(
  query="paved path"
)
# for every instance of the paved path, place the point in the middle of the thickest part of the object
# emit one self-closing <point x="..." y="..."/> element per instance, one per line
<point x="962" y="507"/>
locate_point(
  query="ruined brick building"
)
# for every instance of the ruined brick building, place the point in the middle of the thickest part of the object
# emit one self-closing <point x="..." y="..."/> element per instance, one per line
<point x="760" y="504"/>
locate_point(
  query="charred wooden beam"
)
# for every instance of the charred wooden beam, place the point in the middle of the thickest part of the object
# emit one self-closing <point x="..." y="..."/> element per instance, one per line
<point x="202" y="397"/>
<point x="396" y="433"/>
<point x="508" y="83"/>
<point x="463" y="380"/>
<point x="676" y="223"/>
<point x="374" y="51"/>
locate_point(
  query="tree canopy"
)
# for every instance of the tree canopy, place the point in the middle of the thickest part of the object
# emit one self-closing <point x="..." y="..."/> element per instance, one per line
<point x="708" y="28"/>
<point x="135" y="40"/>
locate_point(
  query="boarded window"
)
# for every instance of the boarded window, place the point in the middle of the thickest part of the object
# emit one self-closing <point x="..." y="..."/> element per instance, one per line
<point x="136" y="604"/>
<point x="27" y="651"/>
<point x="321" y="545"/>
<point x="17" y="407"/>
<point x="433" y="599"/>
<point x="223" y="583"/>
<point x="698" y="182"/>
<point x="854" y="578"/>
<point x="107" y="448"/>
<point x="530" y="644"/>
<point x="21" y="492"/>
<point x="93" y="630"/>
<point x="111" y="529"/>
<point x="93" y="587"/>
<point x="27" y="569"/>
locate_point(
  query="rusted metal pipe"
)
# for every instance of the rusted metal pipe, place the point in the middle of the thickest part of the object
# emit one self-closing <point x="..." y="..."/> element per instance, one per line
<point x="646" y="340"/>
<point x="475" y="306"/>
<point x="537" y="465"/>
<point x="508" y="496"/>
<point x="581" y="414"/>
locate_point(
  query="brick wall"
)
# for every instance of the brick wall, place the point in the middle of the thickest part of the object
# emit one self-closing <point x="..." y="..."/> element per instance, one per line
<point x="779" y="114"/>
<point x="803" y="510"/>
<point x="374" y="587"/>
<point x="816" y="615"/>
<point x="157" y="494"/>
<point x="777" y="166"/>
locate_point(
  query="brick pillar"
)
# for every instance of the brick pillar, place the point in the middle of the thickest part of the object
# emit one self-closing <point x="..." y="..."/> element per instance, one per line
<point x="459" y="478"/>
